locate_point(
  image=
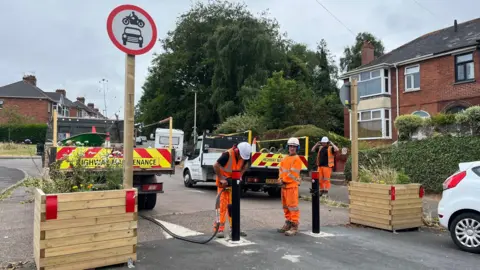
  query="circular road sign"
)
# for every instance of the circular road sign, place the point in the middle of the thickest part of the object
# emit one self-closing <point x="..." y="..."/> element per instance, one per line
<point x="131" y="29"/>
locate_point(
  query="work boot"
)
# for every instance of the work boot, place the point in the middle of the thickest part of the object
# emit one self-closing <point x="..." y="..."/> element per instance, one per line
<point x="285" y="227"/>
<point x="293" y="230"/>
<point x="221" y="233"/>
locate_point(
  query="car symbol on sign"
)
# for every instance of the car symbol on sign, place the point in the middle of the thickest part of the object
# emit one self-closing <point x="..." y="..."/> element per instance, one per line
<point x="132" y="35"/>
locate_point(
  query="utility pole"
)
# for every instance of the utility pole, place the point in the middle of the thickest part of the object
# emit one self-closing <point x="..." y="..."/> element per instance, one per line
<point x="195" y="119"/>
<point x="354" y="129"/>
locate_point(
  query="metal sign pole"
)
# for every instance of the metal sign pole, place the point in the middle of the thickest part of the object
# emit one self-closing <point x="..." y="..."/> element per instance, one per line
<point x="129" y="107"/>
<point x="354" y="129"/>
<point x="315" y="203"/>
<point x="236" y="206"/>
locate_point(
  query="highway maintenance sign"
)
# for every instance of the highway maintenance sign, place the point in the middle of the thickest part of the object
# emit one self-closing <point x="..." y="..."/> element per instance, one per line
<point x="131" y="29"/>
<point x="269" y="160"/>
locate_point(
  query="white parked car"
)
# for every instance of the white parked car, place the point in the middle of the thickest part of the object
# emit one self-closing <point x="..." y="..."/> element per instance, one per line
<point x="459" y="209"/>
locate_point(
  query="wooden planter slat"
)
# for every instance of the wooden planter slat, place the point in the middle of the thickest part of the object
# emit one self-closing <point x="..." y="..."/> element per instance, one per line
<point x="373" y="205"/>
<point x="87" y="229"/>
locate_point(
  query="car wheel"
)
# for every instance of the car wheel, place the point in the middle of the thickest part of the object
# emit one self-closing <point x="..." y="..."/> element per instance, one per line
<point x="187" y="179"/>
<point x="465" y="232"/>
<point x="275" y="193"/>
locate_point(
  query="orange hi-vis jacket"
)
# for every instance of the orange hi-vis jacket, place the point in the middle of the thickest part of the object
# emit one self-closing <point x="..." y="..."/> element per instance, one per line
<point x="289" y="171"/>
<point x="331" y="160"/>
<point x="232" y="165"/>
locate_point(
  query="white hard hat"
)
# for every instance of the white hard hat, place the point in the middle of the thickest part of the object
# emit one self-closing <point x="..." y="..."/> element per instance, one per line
<point x="324" y="140"/>
<point x="293" y="141"/>
<point x="245" y="150"/>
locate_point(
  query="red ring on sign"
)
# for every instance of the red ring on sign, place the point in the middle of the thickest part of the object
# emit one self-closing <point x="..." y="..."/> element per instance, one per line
<point x="115" y="41"/>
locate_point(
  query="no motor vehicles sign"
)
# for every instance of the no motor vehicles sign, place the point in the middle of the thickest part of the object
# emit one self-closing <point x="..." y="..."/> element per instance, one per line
<point x="131" y="29"/>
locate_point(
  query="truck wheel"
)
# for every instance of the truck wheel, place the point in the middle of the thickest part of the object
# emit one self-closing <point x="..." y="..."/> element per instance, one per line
<point x="275" y="193"/>
<point x="187" y="179"/>
<point x="150" y="201"/>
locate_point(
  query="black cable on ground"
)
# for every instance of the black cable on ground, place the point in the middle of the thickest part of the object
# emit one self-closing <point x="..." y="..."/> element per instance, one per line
<point x="217" y="227"/>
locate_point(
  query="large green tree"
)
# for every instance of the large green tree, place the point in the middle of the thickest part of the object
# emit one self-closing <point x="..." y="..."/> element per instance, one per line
<point x="218" y="49"/>
<point x="352" y="56"/>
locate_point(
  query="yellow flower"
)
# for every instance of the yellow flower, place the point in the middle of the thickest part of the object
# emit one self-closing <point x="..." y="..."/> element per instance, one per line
<point x="382" y="182"/>
<point x="75" y="187"/>
<point x="81" y="185"/>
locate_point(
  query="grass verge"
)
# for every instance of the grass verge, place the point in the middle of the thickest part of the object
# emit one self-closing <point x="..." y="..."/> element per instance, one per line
<point x="13" y="149"/>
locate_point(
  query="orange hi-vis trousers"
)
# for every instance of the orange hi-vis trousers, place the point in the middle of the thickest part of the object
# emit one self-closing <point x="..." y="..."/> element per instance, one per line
<point x="225" y="201"/>
<point x="290" y="204"/>
<point x="324" y="175"/>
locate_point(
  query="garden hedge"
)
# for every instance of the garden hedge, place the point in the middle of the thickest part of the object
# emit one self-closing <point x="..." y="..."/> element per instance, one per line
<point x="20" y="132"/>
<point x="429" y="161"/>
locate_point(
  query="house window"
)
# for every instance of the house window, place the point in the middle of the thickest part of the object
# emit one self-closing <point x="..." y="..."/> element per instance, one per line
<point x="372" y="83"/>
<point x="1" y="103"/>
<point x="419" y="134"/>
<point x="374" y="124"/>
<point x="464" y="69"/>
<point x="412" y="78"/>
<point x="456" y="109"/>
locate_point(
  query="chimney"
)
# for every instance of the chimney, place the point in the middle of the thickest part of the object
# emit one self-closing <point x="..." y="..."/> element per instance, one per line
<point x="62" y="91"/>
<point x="455" y="26"/>
<point x="367" y="53"/>
<point x="30" y="79"/>
<point x="81" y="100"/>
<point x="91" y="106"/>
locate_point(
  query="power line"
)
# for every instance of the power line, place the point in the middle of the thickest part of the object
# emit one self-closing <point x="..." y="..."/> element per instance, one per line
<point x="335" y="17"/>
<point x="428" y="10"/>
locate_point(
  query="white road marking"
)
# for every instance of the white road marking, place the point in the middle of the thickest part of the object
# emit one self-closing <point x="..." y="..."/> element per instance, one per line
<point x="249" y="251"/>
<point x="318" y="235"/>
<point x="177" y="229"/>
<point x="292" y="258"/>
<point x="197" y="191"/>
<point x="229" y="243"/>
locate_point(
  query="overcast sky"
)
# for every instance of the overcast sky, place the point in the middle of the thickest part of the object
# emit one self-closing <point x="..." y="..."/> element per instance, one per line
<point x="65" y="43"/>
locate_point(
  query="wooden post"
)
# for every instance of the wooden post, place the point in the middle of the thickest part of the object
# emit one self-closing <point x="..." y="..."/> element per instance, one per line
<point x="55" y="127"/>
<point x="128" y="127"/>
<point x="354" y="129"/>
<point x="170" y="143"/>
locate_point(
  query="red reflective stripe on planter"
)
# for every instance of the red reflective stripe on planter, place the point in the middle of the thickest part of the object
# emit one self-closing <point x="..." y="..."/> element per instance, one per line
<point x="421" y="192"/>
<point x="130" y="201"/>
<point x="51" y="207"/>
<point x="392" y="193"/>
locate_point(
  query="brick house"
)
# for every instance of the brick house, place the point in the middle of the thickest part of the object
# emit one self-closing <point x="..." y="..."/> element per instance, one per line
<point x="437" y="72"/>
<point x="27" y="99"/>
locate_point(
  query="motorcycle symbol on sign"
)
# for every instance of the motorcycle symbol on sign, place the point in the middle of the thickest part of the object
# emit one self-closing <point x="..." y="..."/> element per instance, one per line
<point x="133" y="20"/>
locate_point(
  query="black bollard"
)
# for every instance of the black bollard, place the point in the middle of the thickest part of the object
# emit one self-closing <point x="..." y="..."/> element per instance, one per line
<point x="236" y="205"/>
<point x="315" y="203"/>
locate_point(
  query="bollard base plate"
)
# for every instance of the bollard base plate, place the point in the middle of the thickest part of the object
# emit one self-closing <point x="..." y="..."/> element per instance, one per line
<point x="229" y="243"/>
<point x="318" y="235"/>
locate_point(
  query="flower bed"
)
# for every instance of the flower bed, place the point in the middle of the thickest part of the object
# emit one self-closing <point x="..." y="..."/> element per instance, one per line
<point x="85" y="230"/>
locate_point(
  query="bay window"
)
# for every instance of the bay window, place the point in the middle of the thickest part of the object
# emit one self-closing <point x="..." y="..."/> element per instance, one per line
<point x="374" y="124"/>
<point x="372" y="83"/>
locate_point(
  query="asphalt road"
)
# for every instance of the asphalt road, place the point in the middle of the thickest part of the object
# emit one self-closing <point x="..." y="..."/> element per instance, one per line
<point x="190" y="211"/>
<point x="9" y="177"/>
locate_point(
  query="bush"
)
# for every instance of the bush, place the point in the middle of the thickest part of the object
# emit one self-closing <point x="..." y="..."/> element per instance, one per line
<point x="240" y="123"/>
<point x="407" y="125"/>
<point x="37" y="133"/>
<point x="428" y="162"/>
<point x="473" y="119"/>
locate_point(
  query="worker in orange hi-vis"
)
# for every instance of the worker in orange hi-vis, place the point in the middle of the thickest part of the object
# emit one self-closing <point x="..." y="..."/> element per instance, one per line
<point x="289" y="178"/>
<point x="325" y="163"/>
<point x="234" y="159"/>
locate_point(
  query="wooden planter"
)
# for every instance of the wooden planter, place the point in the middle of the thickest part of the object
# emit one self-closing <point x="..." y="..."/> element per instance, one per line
<point x="388" y="207"/>
<point x="85" y="230"/>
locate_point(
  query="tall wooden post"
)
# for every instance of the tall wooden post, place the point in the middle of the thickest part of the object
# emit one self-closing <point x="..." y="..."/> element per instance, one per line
<point x="128" y="127"/>
<point x="354" y="129"/>
<point x="55" y="127"/>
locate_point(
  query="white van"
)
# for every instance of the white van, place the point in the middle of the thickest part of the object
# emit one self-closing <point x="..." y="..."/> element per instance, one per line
<point x="162" y="138"/>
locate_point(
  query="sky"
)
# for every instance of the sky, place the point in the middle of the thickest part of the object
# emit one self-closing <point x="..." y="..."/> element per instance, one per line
<point x="65" y="44"/>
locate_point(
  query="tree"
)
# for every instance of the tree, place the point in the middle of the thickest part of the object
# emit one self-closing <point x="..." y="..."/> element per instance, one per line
<point x="218" y="49"/>
<point x="11" y="115"/>
<point x="352" y="56"/>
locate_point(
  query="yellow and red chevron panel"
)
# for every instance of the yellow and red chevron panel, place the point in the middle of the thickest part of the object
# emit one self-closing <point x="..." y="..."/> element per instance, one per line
<point x="97" y="157"/>
<point x="272" y="160"/>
